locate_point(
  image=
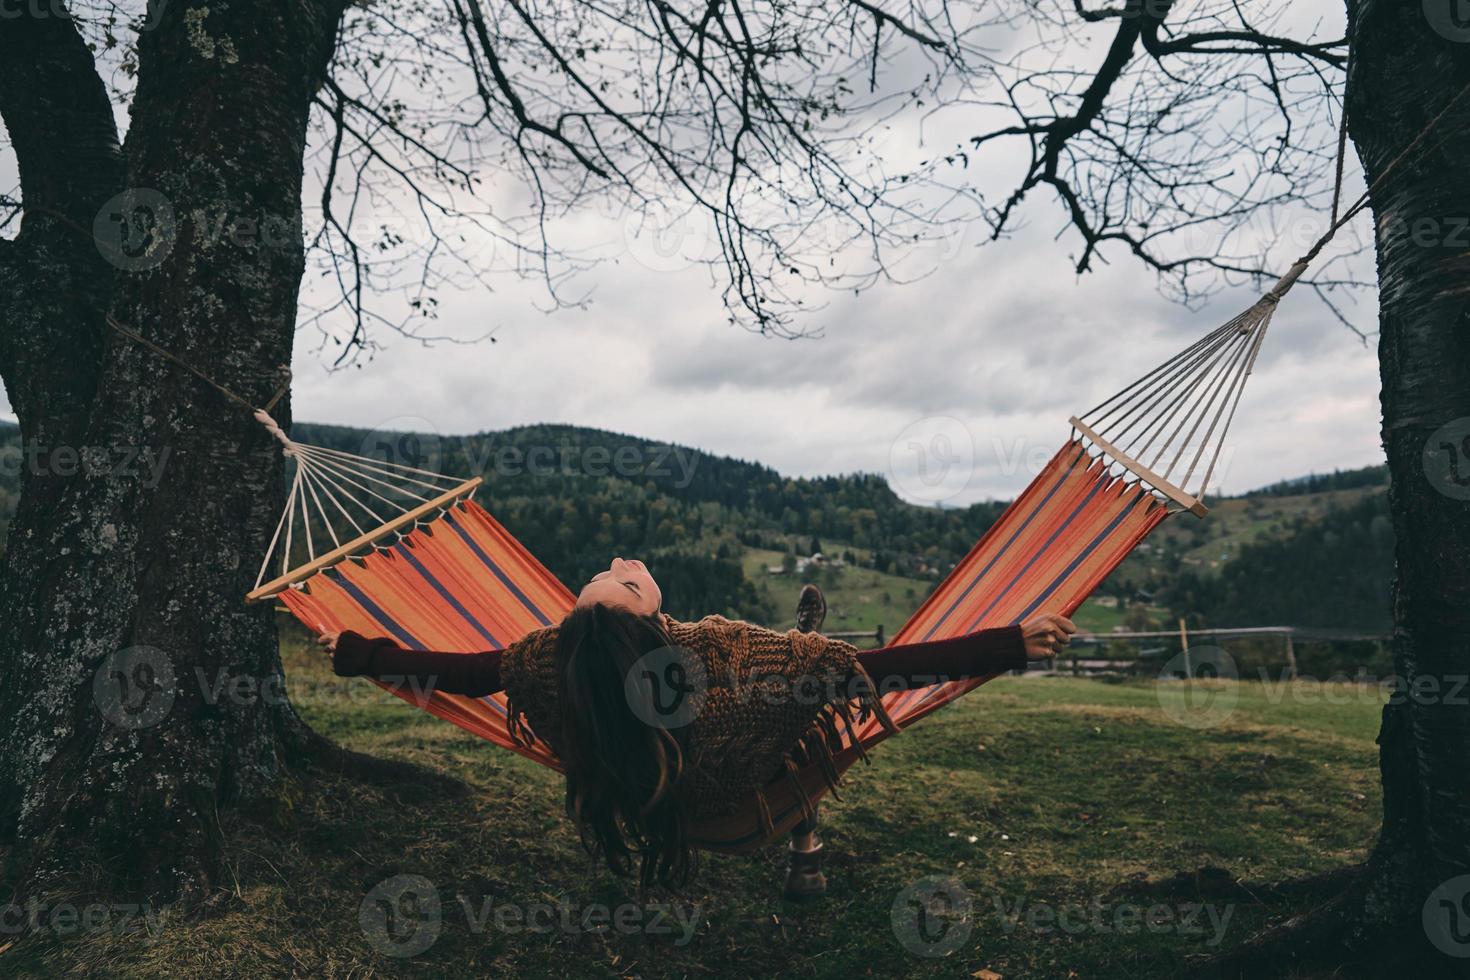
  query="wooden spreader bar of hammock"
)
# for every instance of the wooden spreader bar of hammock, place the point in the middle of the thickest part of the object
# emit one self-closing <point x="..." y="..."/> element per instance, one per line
<point x="1192" y="504"/>
<point x="403" y="520"/>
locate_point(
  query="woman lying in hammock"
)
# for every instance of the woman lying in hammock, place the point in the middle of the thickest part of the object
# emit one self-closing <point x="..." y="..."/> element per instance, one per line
<point x="758" y="703"/>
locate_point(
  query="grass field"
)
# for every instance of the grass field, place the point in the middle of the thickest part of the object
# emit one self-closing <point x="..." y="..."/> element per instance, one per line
<point x="1036" y="829"/>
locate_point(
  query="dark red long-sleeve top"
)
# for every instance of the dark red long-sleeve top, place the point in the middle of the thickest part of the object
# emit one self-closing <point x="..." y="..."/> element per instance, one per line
<point x="891" y="668"/>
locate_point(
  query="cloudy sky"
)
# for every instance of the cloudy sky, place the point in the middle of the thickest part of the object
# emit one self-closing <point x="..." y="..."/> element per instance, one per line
<point x="996" y="348"/>
<point x="1004" y="339"/>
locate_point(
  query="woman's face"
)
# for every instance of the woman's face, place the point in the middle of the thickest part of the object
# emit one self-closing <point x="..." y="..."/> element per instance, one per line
<point x="626" y="584"/>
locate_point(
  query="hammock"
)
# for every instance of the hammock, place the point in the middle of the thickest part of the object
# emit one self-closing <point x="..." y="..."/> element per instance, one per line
<point x="431" y="568"/>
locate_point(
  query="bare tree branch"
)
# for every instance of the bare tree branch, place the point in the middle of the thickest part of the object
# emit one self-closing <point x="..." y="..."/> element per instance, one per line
<point x="1164" y="149"/>
<point x="457" y="141"/>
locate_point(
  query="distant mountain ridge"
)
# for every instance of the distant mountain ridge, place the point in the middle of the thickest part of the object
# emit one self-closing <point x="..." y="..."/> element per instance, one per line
<point x="1365" y="476"/>
<point x="724" y="467"/>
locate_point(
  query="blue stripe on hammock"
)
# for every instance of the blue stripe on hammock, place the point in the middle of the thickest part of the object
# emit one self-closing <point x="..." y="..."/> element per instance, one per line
<point x="515" y="590"/>
<point x="376" y="611"/>
<point x="406" y="552"/>
<point x="934" y="689"/>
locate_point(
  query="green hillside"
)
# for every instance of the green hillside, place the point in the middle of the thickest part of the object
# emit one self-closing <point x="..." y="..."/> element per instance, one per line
<point x="713" y="526"/>
<point x="1332" y="570"/>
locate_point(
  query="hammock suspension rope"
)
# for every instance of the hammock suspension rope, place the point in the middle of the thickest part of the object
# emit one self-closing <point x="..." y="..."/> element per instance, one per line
<point x="387" y="496"/>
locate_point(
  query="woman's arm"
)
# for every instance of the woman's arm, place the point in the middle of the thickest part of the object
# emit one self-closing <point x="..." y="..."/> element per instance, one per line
<point x="473" y="674"/>
<point x="980" y="654"/>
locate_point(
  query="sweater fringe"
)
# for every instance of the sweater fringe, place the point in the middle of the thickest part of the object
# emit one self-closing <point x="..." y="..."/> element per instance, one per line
<point x="823" y="740"/>
<point x="763" y="815"/>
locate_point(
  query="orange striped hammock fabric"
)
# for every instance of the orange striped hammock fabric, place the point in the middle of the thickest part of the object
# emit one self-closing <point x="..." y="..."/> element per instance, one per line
<point x="462" y="582"/>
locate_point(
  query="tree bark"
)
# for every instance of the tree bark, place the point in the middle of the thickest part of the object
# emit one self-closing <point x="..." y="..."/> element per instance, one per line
<point x="1404" y="72"/>
<point x="139" y="693"/>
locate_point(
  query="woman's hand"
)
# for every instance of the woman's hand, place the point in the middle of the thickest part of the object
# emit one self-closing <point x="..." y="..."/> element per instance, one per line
<point x="1047" y="635"/>
<point x="328" y="642"/>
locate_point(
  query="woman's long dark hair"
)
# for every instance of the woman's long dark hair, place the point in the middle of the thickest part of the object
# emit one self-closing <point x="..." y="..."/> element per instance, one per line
<point x="621" y="771"/>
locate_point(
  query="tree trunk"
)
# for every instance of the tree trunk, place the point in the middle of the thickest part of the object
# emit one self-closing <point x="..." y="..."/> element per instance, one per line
<point x="1404" y="73"/>
<point x="1411" y="905"/>
<point x="139" y="693"/>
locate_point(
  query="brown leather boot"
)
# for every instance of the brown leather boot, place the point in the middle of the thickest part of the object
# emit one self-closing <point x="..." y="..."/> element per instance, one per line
<point x="804" y="879"/>
<point x="811" y="609"/>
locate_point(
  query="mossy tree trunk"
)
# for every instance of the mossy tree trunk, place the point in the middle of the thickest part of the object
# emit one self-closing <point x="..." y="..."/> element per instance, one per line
<point x="138" y="694"/>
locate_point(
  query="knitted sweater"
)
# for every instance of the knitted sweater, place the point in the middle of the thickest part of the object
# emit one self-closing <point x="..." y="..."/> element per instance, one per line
<point x="767" y="703"/>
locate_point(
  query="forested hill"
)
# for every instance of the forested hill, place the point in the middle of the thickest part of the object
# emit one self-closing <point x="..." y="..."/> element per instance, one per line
<point x="575" y="496"/>
<point x="1307" y="551"/>
<point x="1368" y="476"/>
<point x="1332" y="572"/>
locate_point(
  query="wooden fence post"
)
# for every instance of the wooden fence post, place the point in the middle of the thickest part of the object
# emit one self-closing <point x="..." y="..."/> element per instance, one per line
<point x="1184" y="642"/>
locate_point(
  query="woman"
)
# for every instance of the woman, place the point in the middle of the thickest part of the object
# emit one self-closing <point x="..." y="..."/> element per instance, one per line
<point x="660" y="722"/>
